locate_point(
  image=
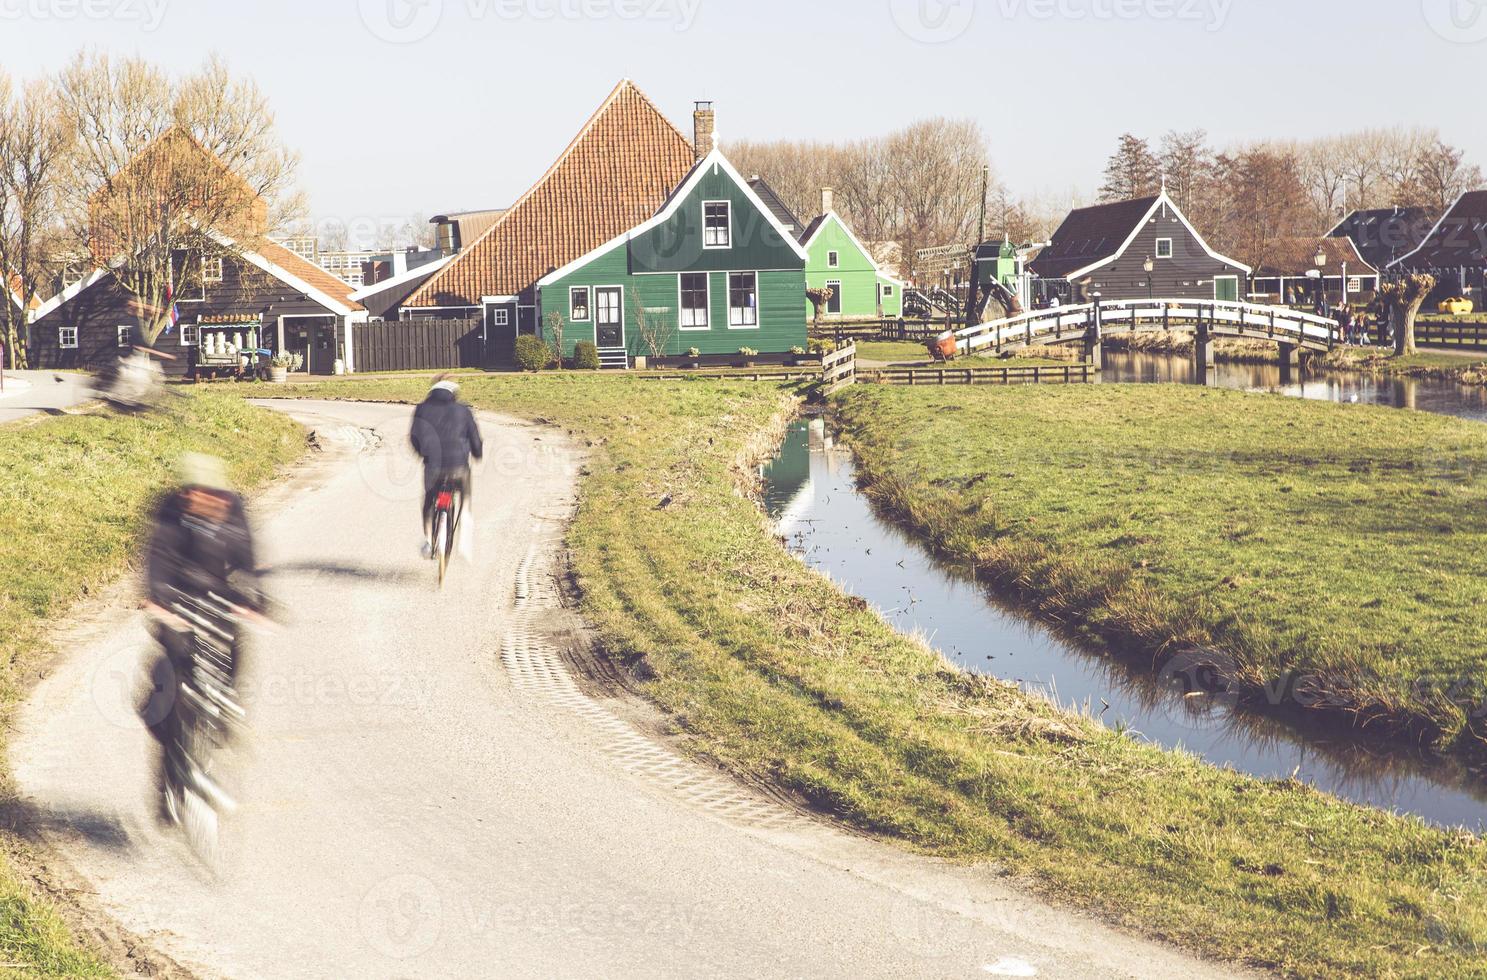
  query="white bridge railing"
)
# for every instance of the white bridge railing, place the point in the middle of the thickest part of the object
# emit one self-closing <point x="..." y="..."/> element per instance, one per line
<point x="1219" y="317"/>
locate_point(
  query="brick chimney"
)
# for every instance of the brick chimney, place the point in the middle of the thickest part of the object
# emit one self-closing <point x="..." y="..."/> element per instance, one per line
<point x="828" y="200"/>
<point x="704" y="122"/>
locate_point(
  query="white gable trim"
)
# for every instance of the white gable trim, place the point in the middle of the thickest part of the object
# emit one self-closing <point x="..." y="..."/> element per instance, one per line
<point x="427" y="269"/>
<point x="1162" y="199"/>
<point x="69" y="294"/>
<point x="1433" y="229"/>
<point x="833" y="216"/>
<point x="715" y="159"/>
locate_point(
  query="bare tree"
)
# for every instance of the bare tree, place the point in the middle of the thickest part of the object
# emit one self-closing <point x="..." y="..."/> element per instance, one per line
<point x="1439" y="176"/>
<point x="655" y="328"/>
<point x="555" y="331"/>
<point x="1263" y="200"/>
<point x="819" y="298"/>
<point x="33" y="139"/>
<point x="1132" y="171"/>
<point x="164" y="174"/>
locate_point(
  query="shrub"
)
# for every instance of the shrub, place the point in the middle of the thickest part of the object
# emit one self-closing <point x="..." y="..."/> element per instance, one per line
<point x="821" y="346"/>
<point x="748" y="352"/>
<point x="585" y="356"/>
<point x="532" y="353"/>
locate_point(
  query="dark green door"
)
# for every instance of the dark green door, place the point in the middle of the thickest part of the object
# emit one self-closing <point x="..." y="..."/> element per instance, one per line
<point x="1226" y="288"/>
<point x="609" y="324"/>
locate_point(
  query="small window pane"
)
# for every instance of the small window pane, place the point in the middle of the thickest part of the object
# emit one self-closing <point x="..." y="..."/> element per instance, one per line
<point x="694" y="301"/>
<point x="743" y="300"/>
<point x="833" y="259"/>
<point x="716" y="224"/>
<point x="125" y="333"/>
<point x="578" y="304"/>
<point x="1164" y="248"/>
<point x="67" y="337"/>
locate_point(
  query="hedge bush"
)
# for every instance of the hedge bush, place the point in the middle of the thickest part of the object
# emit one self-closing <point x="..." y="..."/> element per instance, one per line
<point x="585" y="356"/>
<point x="532" y="353"/>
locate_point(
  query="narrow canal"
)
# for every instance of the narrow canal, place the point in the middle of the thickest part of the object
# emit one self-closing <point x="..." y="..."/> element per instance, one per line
<point x="811" y="491"/>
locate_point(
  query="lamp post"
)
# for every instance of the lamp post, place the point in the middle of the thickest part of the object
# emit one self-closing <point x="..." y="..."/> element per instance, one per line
<point x="1150" y="267"/>
<point x="1321" y="260"/>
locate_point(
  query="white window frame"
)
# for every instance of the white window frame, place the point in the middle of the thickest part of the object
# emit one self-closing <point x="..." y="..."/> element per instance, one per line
<point x="124" y="335"/>
<point x="1157" y="249"/>
<point x="885" y="289"/>
<point x="707" y="308"/>
<point x="836" y="297"/>
<point x="588" y="304"/>
<point x="191" y="331"/>
<point x="833" y="259"/>
<point x="208" y="262"/>
<point x="731" y="308"/>
<point x="62" y="334"/>
<point x="729" y="206"/>
<point x="500" y="317"/>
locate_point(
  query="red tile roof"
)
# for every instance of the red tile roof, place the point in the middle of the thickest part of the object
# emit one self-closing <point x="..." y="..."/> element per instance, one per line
<point x="302" y="268"/>
<point x="1294" y="256"/>
<point x="615" y="174"/>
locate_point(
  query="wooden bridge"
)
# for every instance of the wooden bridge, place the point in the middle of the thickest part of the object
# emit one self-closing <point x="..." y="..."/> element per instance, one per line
<point x="1087" y="323"/>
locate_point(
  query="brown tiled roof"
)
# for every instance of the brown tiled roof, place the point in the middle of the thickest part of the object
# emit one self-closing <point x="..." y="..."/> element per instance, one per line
<point x="1088" y="235"/>
<point x="615" y="174"/>
<point x="1294" y="256"/>
<point x="311" y="273"/>
<point x="15" y="294"/>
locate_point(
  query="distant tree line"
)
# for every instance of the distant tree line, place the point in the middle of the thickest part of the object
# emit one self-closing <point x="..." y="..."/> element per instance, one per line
<point x="1245" y="198"/>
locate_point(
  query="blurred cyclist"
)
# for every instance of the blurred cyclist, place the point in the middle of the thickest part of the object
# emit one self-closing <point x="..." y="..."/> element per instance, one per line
<point x="201" y="545"/>
<point x="446" y="437"/>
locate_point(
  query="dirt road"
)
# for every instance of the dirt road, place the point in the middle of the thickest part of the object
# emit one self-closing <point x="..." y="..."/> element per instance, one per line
<point x="429" y="793"/>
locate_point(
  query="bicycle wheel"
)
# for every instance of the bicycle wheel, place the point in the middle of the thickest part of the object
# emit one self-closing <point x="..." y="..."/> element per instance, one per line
<point x="441" y="534"/>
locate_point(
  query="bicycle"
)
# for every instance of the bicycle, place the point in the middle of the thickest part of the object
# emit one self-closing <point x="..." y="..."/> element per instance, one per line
<point x="448" y="508"/>
<point x="206" y="718"/>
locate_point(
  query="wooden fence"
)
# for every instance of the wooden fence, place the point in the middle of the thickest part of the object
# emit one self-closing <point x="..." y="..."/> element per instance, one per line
<point x="1072" y="373"/>
<point x="917" y="330"/>
<point x="419" y="345"/>
<point x="838" y="369"/>
<point x="1447" y="333"/>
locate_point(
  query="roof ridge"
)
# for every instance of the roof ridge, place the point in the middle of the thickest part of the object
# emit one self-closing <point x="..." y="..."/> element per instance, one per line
<point x="624" y="85"/>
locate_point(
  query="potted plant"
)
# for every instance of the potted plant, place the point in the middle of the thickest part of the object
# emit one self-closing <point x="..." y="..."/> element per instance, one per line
<point x="797" y="354"/>
<point x="748" y="354"/>
<point x="281" y="365"/>
<point x="693" y="354"/>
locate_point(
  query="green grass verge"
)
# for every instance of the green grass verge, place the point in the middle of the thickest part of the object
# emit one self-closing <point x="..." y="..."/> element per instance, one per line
<point x="1347" y="544"/>
<point x="75" y="497"/>
<point x="780" y="677"/>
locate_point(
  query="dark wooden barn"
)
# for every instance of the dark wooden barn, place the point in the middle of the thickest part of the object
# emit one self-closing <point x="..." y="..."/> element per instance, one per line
<point x="1105" y="249"/>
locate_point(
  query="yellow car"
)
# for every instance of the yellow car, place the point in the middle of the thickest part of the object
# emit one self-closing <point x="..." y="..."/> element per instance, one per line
<point x="1456" y="306"/>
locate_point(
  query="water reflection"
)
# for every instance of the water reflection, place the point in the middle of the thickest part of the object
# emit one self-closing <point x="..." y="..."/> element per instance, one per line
<point x="1424" y="394"/>
<point x="810" y="488"/>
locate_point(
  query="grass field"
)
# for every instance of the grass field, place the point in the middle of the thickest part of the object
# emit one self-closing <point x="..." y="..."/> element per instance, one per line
<point x="1344" y="544"/>
<point x="778" y="676"/>
<point x="75" y="494"/>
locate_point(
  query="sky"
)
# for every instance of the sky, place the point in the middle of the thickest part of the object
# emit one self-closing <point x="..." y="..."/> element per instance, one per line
<point x="415" y="107"/>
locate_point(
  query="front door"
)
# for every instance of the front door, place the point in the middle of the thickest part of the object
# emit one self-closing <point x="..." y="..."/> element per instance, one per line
<point x="1226" y="288"/>
<point x="609" y="321"/>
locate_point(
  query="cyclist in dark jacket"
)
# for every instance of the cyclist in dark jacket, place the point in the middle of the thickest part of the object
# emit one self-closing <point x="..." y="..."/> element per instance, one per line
<point x="446" y="437"/>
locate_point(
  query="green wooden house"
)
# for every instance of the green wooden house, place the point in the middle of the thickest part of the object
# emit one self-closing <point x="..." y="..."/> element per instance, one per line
<point x="860" y="288"/>
<point x="714" y="270"/>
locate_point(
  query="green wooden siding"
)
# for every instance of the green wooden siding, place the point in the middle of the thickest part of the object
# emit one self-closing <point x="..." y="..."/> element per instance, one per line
<point x="657" y="297"/>
<point x="676" y="245"/>
<point x="860" y="282"/>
